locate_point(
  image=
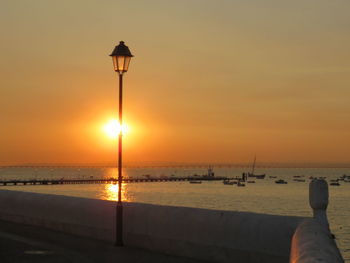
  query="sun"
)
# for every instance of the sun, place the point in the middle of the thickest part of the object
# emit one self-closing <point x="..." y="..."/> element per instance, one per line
<point x="112" y="129"/>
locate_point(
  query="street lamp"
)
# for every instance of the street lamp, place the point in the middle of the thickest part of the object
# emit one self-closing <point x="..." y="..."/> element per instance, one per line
<point x="121" y="56"/>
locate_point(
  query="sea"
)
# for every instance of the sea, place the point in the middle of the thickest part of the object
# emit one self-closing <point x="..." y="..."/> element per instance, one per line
<point x="263" y="196"/>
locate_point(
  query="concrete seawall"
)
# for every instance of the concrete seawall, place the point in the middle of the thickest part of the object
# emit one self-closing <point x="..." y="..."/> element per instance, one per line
<point x="210" y="235"/>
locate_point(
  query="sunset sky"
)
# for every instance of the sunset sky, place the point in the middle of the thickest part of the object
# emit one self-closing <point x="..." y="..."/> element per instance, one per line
<point x="211" y="81"/>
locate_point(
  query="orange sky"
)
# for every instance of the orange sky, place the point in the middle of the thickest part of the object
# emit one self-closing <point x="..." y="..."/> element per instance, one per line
<point x="211" y="81"/>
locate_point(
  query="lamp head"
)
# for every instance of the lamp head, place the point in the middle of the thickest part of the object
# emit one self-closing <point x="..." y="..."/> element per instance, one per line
<point x="121" y="56"/>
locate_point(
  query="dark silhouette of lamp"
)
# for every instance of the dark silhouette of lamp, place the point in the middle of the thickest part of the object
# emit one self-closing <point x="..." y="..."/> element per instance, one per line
<point x="121" y="56"/>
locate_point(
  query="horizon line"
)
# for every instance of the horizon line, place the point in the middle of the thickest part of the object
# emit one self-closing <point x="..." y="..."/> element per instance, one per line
<point x="154" y="164"/>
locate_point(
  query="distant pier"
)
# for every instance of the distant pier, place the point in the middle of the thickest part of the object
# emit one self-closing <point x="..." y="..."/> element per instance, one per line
<point x="106" y="181"/>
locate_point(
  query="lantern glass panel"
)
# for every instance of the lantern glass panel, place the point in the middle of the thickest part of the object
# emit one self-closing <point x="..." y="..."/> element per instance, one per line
<point x="115" y="63"/>
<point x="126" y="63"/>
<point x="121" y="61"/>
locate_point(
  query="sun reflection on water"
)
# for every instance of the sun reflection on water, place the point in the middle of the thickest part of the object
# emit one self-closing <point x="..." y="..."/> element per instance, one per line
<point x="110" y="192"/>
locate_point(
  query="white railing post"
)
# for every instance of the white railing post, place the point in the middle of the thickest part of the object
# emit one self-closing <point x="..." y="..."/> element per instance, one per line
<point x="312" y="240"/>
<point x="318" y="198"/>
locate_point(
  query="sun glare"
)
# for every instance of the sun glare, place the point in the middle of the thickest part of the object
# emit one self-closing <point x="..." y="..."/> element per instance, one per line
<point x="112" y="129"/>
<point x="110" y="192"/>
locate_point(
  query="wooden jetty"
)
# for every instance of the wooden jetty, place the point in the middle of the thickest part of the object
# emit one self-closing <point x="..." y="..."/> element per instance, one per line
<point x="105" y="180"/>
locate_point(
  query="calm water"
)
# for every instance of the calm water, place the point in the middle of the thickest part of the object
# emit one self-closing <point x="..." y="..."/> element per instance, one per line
<point x="264" y="196"/>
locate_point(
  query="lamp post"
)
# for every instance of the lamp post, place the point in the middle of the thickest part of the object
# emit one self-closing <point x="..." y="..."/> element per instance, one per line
<point x="121" y="56"/>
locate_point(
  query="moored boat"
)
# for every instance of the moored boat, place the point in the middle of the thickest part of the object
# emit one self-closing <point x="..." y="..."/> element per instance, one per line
<point x="257" y="176"/>
<point x="281" y="181"/>
<point x="299" y="180"/>
<point x="195" y="182"/>
<point x="228" y="182"/>
<point x="240" y="183"/>
<point x="209" y="175"/>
